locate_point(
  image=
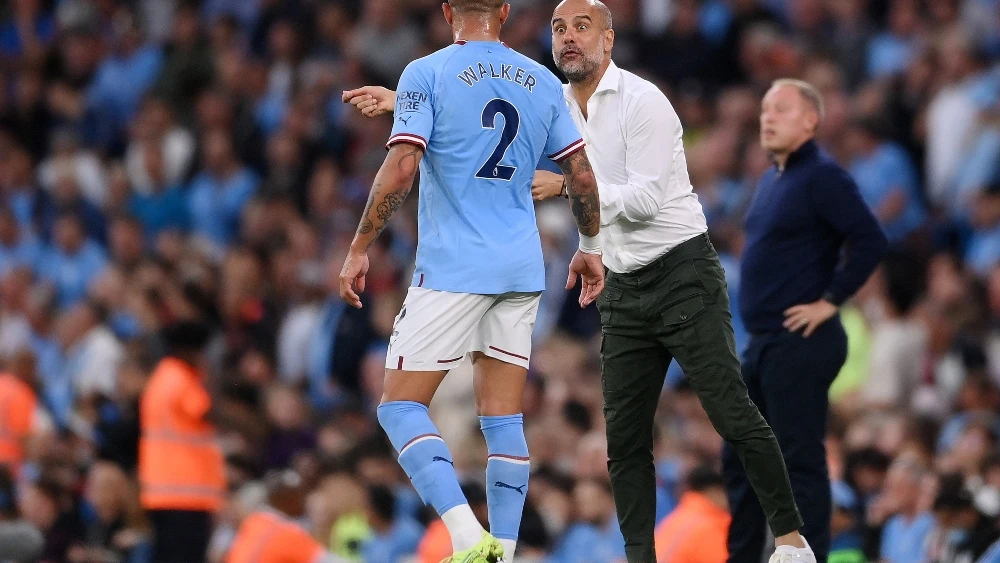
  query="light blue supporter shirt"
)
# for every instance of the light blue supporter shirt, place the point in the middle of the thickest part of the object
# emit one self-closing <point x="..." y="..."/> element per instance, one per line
<point x="484" y="115"/>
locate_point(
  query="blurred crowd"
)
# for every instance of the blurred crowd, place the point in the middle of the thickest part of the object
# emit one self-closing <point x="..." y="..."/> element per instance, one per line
<point x="164" y="160"/>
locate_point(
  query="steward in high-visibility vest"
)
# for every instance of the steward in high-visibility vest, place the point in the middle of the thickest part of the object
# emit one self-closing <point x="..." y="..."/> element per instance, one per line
<point x="18" y="407"/>
<point x="267" y="533"/>
<point x="181" y="467"/>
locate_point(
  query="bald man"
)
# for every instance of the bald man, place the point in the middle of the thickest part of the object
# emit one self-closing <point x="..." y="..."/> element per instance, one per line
<point x="665" y="296"/>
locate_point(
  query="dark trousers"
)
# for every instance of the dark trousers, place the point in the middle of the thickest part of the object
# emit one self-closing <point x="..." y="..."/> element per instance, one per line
<point x="180" y="536"/>
<point x="789" y="378"/>
<point x="677" y="307"/>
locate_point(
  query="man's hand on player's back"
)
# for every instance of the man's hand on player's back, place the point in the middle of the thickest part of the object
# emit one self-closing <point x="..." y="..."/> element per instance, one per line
<point x="373" y="101"/>
<point x="547" y="185"/>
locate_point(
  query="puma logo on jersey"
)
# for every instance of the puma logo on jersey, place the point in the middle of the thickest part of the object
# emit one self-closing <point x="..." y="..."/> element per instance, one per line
<point x="405" y="120"/>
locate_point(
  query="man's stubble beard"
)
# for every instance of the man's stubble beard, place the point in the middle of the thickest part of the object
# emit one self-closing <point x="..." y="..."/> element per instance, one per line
<point x="585" y="69"/>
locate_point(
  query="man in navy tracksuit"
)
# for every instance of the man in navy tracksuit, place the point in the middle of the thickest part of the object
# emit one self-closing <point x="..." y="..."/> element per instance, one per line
<point x="806" y="211"/>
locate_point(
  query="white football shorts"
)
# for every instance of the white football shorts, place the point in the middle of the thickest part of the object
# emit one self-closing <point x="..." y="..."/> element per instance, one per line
<point x="435" y="330"/>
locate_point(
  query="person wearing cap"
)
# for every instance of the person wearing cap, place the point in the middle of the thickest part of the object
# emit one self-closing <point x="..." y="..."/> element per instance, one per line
<point x="181" y="466"/>
<point x="845" y="542"/>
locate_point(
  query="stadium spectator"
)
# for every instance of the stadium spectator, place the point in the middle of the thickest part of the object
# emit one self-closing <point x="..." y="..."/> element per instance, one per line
<point x="906" y="525"/>
<point x="845" y="541"/>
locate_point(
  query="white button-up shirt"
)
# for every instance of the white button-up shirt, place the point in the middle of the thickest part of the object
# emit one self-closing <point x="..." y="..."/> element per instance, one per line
<point x="634" y="143"/>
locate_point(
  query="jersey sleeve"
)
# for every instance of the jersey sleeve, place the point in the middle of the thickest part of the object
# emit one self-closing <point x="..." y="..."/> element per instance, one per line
<point x="564" y="138"/>
<point x="414" y="113"/>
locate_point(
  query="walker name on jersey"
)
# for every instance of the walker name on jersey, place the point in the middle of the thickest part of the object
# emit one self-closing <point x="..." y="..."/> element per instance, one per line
<point x="409" y="101"/>
<point x="481" y="71"/>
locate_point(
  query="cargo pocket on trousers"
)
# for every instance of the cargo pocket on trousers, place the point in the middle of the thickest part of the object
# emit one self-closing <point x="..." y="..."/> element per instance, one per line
<point x="683" y="312"/>
<point x="606" y="302"/>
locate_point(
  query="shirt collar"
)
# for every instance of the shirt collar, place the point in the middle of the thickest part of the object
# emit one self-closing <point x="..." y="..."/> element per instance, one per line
<point x="610" y="80"/>
<point x="464" y="42"/>
<point x="810" y="148"/>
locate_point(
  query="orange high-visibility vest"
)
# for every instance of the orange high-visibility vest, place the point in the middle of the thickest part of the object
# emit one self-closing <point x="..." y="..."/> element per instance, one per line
<point x="181" y="466"/>
<point x="265" y="537"/>
<point x="17" y="410"/>
<point x="435" y="545"/>
<point x="695" y="532"/>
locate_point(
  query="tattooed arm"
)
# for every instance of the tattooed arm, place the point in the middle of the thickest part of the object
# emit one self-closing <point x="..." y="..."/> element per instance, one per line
<point x="581" y="185"/>
<point x="392" y="184"/>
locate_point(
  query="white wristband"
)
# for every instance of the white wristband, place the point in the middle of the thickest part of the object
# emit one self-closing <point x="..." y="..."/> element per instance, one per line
<point x="590" y="245"/>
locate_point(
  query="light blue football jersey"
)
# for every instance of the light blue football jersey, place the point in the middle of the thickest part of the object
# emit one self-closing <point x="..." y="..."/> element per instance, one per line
<point x="485" y="115"/>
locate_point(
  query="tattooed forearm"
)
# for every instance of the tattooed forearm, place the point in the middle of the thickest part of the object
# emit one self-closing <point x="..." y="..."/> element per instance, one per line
<point x="582" y="188"/>
<point x="587" y="211"/>
<point x="389" y="205"/>
<point x="392" y="184"/>
<point x="391" y="202"/>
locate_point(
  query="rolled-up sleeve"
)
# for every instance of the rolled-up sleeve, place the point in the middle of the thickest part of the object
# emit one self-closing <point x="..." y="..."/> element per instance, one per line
<point x="651" y="126"/>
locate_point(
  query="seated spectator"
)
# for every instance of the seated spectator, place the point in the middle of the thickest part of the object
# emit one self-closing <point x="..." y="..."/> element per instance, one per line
<point x="845" y="541"/>
<point x="906" y="534"/>
<point x="19" y="539"/>
<point x="18" y="248"/>
<point x="161" y="151"/>
<point x="290" y="432"/>
<point x="91" y="352"/>
<point x="217" y="195"/>
<point x="886" y="178"/>
<point x="964" y="533"/>
<point x="70" y="159"/>
<point x="126" y="242"/>
<point x="124" y="77"/>
<point x="72" y="261"/>
<point x="890" y="52"/>
<point x="696" y="531"/>
<point x="66" y="198"/>
<point x="45" y="503"/>
<point x="393" y="536"/>
<point x="116" y="529"/>
<point x="595" y="538"/>
<point x="18" y="190"/>
<point x="163" y="207"/>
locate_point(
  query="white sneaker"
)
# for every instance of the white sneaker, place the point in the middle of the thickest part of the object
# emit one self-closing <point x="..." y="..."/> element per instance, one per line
<point x="789" y="554"/>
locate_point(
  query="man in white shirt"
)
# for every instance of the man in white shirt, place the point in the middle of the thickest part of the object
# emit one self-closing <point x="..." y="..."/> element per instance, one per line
<point x="665" y="293"/>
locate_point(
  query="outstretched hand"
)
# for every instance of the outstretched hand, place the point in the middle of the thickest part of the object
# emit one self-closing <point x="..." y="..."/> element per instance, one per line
<point x="373" y="101"/>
